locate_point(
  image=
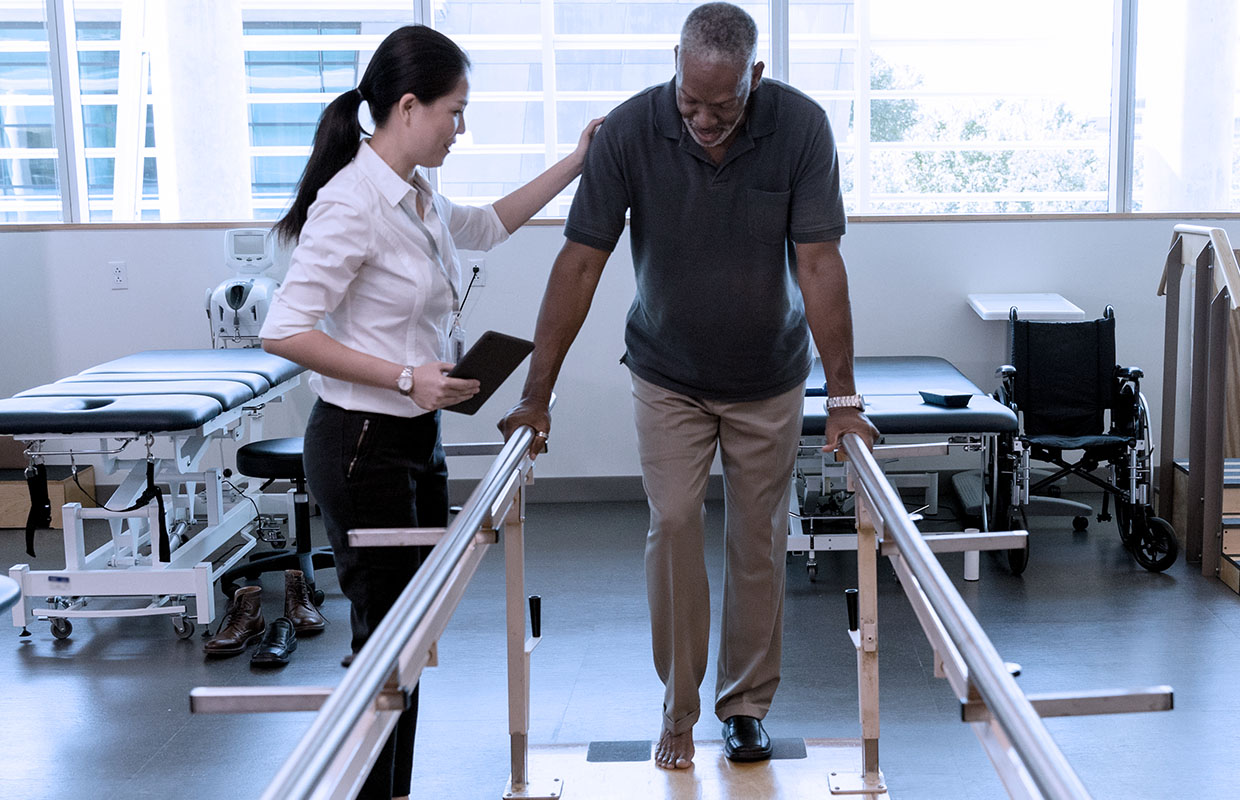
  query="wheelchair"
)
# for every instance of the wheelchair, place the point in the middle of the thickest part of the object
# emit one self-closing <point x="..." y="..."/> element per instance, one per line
<point x="1063" y="382"/>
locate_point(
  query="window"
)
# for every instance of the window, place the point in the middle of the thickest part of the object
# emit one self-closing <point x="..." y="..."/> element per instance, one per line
<point x="29" y="176"/>
<point x="957" y="106"/>
<point x="1187" y="142"/>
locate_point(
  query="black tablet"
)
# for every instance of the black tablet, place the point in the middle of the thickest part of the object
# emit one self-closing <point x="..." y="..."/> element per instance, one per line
<point x="490" y="361"/>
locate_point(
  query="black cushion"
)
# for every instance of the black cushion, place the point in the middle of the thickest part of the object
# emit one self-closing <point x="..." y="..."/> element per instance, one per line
<point x="272" y="458"/>
<point x="1053" y="442"/>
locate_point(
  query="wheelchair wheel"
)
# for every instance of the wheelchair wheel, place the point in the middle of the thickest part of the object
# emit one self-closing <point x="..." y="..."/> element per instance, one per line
<point x="1018" y="558"/>
<point x="1154" y="545"/>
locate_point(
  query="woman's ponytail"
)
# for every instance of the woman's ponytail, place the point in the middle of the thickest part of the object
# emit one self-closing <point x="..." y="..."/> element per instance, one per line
<point x="336" y="141"/>
<point x="413" y="60"/>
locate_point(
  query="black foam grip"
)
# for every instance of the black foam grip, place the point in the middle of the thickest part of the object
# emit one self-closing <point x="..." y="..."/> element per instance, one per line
<point x="536" y="615"/>
<point x="850" y="598"/>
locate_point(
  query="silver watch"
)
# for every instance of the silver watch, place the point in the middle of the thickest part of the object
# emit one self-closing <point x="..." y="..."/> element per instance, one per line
<point x="846" y="401"/>
<point x="404" y="384"/>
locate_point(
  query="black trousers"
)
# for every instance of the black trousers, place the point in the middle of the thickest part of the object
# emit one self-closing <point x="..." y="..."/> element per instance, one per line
<point x="371" y="470"/>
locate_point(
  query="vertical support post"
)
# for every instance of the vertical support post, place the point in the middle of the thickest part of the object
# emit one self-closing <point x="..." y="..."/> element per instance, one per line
<point x="1172" y="271"/>
<point x="1197" y="431"/>
<point x="518" y="658"/>
<point x="867" y="652"/>
<point x="1215" y="399"/>
<point x="213" y="487"/>
<point x="75" y="538"/>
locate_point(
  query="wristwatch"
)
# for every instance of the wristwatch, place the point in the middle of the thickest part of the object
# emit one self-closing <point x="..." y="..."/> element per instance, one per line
<point x="846" y="401"/>
<point x="404" y="384"/>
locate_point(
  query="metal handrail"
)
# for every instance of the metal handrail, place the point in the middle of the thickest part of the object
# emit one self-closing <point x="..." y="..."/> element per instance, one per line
<point x="1008" y="705"/>
<point x="302" y="771"/>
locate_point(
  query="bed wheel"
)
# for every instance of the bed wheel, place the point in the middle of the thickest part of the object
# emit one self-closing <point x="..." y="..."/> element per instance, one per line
<point x="812" y="571"/>
<point x="61" y="628"/>
<point x="319" y="594"/>
<point x="1079" y="524"/>
<point x="183" y="627"/>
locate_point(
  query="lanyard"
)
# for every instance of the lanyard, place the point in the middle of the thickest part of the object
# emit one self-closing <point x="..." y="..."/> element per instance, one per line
<point x="432" y="249"/>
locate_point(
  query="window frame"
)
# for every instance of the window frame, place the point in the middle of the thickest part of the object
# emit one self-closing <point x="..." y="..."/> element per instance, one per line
<point x="72" y="155"/>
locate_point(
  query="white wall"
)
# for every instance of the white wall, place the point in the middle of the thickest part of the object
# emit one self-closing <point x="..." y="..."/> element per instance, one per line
<point x="909" y="281"/>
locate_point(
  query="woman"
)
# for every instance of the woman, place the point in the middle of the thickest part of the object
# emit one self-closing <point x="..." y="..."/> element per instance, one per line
<point x="376" y="264"/>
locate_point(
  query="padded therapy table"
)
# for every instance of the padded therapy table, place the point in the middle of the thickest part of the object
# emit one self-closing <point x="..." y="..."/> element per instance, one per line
<point x="891" y="386"/>
<point x="159" y="555"/>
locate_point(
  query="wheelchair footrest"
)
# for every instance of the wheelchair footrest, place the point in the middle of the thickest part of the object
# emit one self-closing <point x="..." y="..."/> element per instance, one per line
<point x="971" y="491"/>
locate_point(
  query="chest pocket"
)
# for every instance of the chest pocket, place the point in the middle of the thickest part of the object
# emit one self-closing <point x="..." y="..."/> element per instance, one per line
<point x="768" y="215"/>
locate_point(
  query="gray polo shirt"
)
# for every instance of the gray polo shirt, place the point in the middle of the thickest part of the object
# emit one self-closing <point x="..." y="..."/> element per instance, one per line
<point x="718" y="314"/>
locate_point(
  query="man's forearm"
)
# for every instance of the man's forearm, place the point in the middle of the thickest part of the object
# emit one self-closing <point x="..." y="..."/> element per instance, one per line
<point x="570" y="290"/>
<point x="824" y="287"/>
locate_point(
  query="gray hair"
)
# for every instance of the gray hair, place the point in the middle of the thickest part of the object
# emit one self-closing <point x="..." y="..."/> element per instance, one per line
<point x="720" y="32"/>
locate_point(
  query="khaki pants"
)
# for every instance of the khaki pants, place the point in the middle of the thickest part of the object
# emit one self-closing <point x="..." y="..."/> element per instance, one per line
<point x="677" y="437"/>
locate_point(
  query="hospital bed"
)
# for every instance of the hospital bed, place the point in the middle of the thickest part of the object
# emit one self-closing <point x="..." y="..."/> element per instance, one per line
<point x="151" y="416"/>
<point x="891" y="386"/>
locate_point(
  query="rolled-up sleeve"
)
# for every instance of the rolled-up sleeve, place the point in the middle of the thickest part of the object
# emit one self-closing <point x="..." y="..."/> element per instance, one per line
<point x="333" y="246"/>
<point x="472" y="227"/>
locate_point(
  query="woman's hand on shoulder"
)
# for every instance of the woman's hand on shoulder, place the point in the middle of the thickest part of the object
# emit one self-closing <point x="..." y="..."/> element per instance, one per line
<point x="587" y="135"/>
<point x="433" y="389"/>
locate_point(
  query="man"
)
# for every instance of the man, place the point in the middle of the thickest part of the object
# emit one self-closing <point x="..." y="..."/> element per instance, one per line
<point x="732" y="184"/>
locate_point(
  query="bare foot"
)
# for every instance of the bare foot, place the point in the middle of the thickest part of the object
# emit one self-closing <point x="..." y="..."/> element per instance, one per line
<point x="674" y="751"/>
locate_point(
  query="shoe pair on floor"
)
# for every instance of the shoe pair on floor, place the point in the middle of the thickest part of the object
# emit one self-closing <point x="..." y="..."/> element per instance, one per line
<point x="243" y="623"/>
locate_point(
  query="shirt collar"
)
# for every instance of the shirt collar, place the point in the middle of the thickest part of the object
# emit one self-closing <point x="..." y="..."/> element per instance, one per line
<point x="391" y="186"/>
<point x="760" y="122"/>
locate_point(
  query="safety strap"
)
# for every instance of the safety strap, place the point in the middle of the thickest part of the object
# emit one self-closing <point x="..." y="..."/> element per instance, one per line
<point x="152" y="492"/>
<point x="40" y="515"/>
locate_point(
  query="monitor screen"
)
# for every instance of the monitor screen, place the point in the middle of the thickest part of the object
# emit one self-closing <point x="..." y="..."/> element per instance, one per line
<point x="248" y="244"/>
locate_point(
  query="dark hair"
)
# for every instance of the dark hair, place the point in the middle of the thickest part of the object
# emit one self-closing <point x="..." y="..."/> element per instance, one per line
<point x="414" y="60"/>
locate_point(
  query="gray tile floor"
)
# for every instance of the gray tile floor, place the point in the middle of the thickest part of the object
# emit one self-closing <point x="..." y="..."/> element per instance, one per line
<point x="105" y="714"/>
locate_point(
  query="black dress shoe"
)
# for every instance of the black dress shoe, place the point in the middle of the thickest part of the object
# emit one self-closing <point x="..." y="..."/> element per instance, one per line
<point x="744" y="739"/>
<point x="277" y="645"/>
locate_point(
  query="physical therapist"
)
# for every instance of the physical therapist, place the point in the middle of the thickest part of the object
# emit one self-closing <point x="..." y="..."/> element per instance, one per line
<point x="369" y="305"/>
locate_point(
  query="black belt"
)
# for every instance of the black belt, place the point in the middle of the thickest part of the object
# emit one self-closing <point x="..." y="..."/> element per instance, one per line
<point x="40" y="515"/>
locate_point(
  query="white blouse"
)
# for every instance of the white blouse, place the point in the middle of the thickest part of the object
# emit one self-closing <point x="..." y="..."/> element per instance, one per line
<point x="364" y="270"/>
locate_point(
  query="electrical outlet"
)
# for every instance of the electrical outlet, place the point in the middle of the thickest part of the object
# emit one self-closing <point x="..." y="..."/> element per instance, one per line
<point x="118" y="275"/>
<point x="476" y="270"/>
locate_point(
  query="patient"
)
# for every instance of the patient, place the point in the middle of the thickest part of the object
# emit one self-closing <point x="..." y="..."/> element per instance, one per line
<point x="370" y="303"/>
<point x="720" y="170"/>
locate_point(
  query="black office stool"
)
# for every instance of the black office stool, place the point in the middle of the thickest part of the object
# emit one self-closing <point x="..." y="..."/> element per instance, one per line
<point x="276" y="459"/>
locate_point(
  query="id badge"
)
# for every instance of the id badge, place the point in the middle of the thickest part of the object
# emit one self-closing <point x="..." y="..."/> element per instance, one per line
<point x="456" y="344"/>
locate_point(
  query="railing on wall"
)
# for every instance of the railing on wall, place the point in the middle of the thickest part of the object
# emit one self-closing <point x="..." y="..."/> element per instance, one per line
<point x="354" y="719"/>
<point x="1216" y="292"/>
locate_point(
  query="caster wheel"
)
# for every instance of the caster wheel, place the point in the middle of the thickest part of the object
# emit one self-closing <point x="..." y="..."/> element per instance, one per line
<point x="319" y="594"/>
<point x="183" y="627"/>
<point x="1154" y="546"/>
<point x="812" y="570"/>
<point x="61" y="628"/>
<point x="1080" y="523"/>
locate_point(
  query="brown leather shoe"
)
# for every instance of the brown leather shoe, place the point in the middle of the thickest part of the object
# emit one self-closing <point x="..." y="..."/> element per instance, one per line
<point x="243" y="624"/>
<point x="299" y="604"/>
